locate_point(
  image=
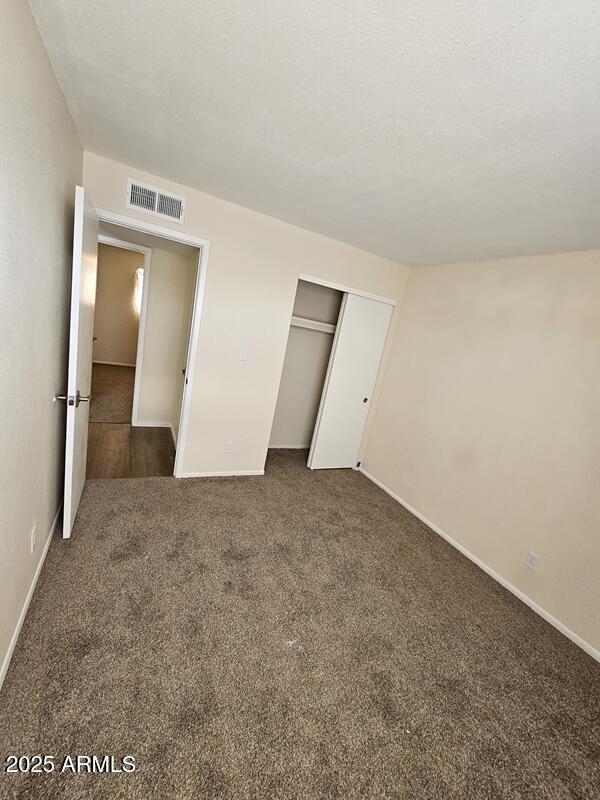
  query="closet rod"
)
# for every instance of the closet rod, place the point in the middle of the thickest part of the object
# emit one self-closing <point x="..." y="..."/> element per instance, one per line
<point x="312" y="325"/>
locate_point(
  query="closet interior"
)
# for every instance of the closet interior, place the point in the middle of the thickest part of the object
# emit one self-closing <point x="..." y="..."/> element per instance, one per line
<point x="313" y="324"/>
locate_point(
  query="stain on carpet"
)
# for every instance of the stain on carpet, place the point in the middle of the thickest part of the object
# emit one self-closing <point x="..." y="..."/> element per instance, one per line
<point x="298" y="635"/>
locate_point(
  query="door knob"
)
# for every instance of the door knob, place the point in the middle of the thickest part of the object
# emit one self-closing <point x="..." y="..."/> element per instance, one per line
<point x="73" y="400"/>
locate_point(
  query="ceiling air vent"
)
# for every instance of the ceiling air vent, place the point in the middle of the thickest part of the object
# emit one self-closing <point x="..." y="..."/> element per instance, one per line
<point x="154" y="201"/>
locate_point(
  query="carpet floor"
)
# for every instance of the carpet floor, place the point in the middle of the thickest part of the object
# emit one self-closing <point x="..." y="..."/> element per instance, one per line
<point x="112" y="393"/>
<point x="298" y="635"/>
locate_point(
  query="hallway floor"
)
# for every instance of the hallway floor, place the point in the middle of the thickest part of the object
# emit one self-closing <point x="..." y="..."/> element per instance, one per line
<point x="122" y="451"/>
<point x="298" y="635"/>
<point x="116" y="449"/>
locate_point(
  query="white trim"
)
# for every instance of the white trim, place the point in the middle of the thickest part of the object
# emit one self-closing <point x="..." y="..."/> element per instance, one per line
<point x="225" y="474"/>
<point x="203" y="246"/>
<point x="312" y="324"/>
<point x="144" y="423"/>
<point x="134" y="224"/>
<point x="114" y="363"/>
<point x="585" y="646"/>
<point x="192" y="353"/>
<point x="349" y="289"/>
<point x="23" y="614"/>
<point x="139" y="358"/>
<point x="112" y="241"/>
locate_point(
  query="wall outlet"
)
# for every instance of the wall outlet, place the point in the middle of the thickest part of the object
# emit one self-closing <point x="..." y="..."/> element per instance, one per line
<point x="32" y="538"/>
<point x="243" y="353"/>
<point x="228" y="447"/>
<point x="532" y="560"/>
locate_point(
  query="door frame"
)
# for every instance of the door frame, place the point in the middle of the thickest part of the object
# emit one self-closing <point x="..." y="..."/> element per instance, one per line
<point x="139" y="358"/>
<point x="203" y="246"/>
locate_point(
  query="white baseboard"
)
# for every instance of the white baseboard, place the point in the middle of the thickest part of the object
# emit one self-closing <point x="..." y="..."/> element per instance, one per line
<point x="226" y="474"/>
<point x="155" y="424"/>
<point x="586" y="646"/>
<point x="113" y="363"/>
<point x="22" y="615"/>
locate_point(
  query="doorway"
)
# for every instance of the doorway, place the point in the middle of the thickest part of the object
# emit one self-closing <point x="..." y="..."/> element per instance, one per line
<point x="334" y="350"/>
<point x="77" y="393"/>
<point x="144" y="297"/>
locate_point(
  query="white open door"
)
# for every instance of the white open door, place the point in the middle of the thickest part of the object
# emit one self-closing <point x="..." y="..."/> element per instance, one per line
<point x="83" y="300"/>
<point x="355" y="357"/>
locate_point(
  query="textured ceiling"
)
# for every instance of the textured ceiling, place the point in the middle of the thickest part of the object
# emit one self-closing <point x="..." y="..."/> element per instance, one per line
<point x="425" y="131"/>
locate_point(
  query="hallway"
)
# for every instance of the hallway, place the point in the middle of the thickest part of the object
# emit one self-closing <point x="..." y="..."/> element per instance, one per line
<point x="122" y="451"/>
<point x="116" y="449"/>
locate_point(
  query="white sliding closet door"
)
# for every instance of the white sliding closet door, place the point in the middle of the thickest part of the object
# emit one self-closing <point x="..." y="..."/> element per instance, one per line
<point x="357" y="348"/>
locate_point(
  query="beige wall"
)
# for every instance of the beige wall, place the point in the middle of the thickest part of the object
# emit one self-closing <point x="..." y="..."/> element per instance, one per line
<point x="488" y="421"/>
<point x="304" y="367"/>
<point x="170" y="295"/>
<point x="252" y="275"/>
<point x="116" y="322"/>
<point x="40" y="165"/>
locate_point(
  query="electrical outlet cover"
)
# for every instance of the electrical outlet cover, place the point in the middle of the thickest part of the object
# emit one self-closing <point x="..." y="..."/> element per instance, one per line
<point x="532" y="560"/>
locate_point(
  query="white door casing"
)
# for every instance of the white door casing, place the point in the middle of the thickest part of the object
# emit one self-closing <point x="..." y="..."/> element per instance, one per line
<point x="83" y="300"/>
<point x="353" y="365"/>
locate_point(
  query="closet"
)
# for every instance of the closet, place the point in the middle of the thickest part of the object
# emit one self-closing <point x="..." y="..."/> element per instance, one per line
<point x="312" y="328"/>
<point x="335" y="344"/>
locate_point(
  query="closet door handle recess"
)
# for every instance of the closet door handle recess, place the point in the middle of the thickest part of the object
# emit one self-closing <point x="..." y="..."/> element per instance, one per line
<point x="365" y="399"/>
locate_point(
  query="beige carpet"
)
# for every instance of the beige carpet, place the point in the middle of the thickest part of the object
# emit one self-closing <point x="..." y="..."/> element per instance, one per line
<point x="112" y="393"/>
<point x="293" y="636"/>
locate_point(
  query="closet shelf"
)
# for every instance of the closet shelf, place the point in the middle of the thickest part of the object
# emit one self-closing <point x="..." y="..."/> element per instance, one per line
<point x="312" y="325"/>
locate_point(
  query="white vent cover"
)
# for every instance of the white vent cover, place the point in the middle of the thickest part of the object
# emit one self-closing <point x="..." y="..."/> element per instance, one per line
<point x="154" y="201"/>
